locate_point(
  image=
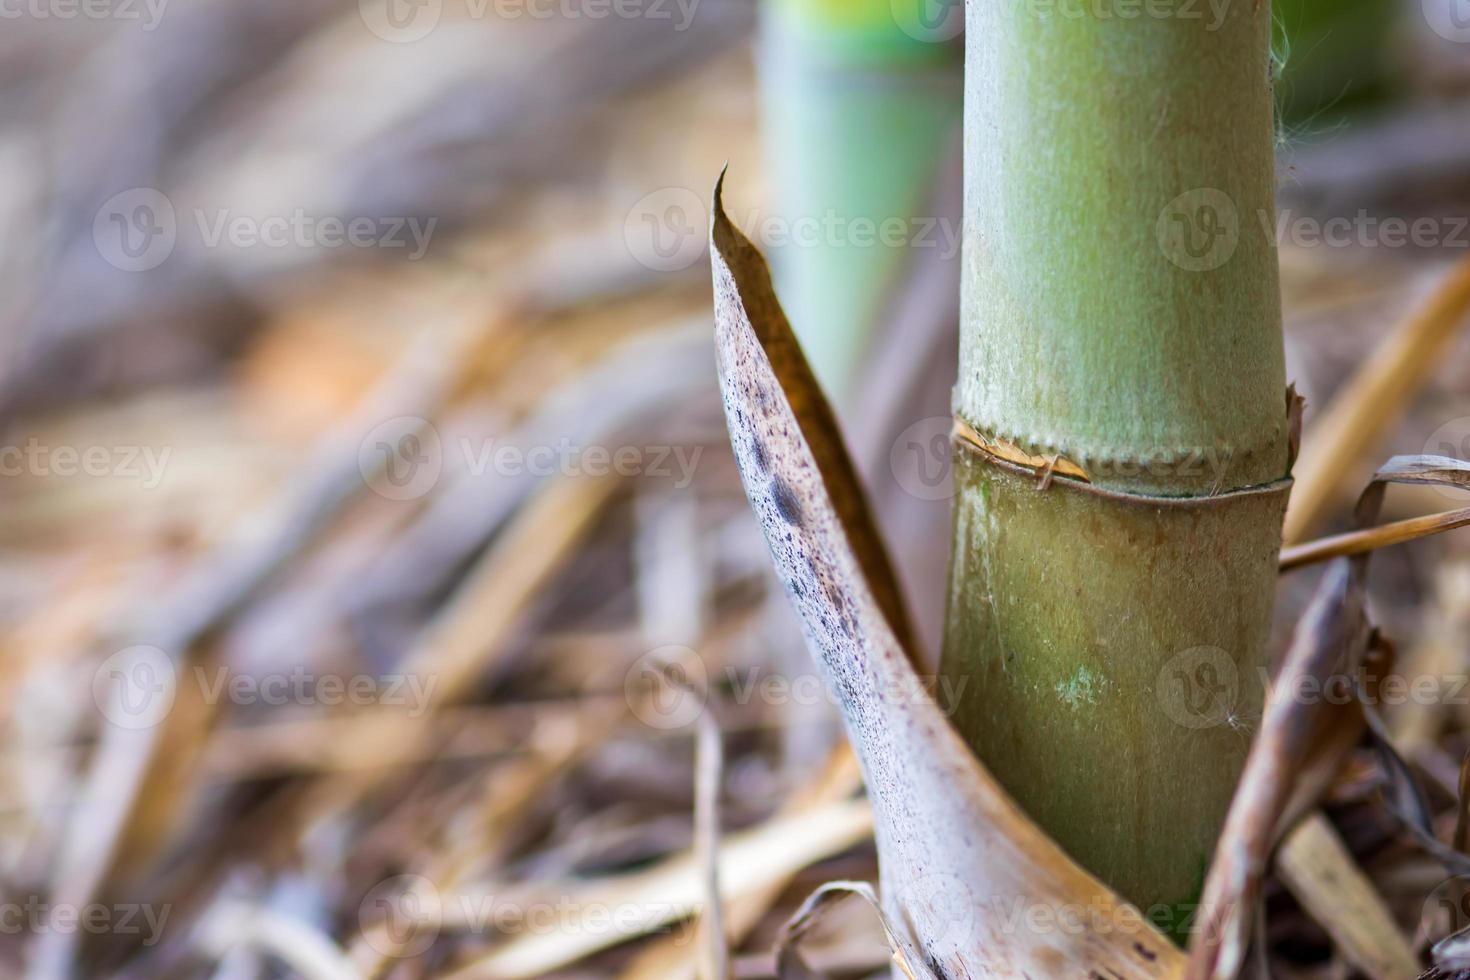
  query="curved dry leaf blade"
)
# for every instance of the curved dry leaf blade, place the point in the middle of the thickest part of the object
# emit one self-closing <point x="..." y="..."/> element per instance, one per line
<point x="1332" y="637"/>
<point x="754" y="302"/>
<point x="1437" y="470"/>
<point x="978" y="889"/>
<point x="1406" y="799"/>
<point x="1452" y="953"/>
<point x="1332" y="630"/>
<point x="790" y="965"/>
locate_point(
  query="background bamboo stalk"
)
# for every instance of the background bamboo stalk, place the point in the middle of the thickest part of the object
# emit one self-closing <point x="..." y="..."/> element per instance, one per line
<point x="859" y="101"/>
<point x="1121" y="319"/>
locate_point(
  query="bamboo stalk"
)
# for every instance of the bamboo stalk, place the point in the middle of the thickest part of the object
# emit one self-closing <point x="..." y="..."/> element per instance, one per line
<point x="1116" y="542"/>
<point x="859" y="100"/>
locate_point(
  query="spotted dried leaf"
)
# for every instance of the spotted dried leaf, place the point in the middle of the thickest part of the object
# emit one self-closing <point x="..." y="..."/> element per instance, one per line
<point x="969" y="881"/>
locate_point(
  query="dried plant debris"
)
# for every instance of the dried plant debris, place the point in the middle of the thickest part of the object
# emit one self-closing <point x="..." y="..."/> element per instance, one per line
<point x="528" y="805"/>
<point x="789" y="962"/>
<point x="964" y="871"/>
<point x="1329" y="633"/>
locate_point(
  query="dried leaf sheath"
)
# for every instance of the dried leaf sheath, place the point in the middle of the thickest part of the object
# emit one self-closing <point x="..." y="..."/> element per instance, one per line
<point x="964" y="870"/>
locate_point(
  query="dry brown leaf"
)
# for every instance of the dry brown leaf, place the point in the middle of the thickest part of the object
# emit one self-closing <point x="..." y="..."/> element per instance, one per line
<point x="672" y="958"/>
<point x="1333" y="635"/>
<point x="968" y="879"/>
<point x="673" y="890"/>
<point x="789" y="963"/>
<point x="1322" y="874"/>
<point x="1332" y="628"/>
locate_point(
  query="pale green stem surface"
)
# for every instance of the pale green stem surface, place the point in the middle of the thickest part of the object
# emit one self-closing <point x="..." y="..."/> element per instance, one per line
<point x="1121" y="289"/>
<point x="1121" y="309"/>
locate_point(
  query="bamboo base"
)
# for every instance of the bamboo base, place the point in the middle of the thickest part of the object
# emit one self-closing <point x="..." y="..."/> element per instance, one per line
<point x="1106" y="651"/>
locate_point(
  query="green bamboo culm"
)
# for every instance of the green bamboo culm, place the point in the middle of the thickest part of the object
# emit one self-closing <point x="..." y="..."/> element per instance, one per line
<point x="860" y="98"/>
<point x="1120" y="495"/>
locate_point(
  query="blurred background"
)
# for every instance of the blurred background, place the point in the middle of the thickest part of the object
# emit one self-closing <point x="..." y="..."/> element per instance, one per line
<point x="371" y="554"/>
